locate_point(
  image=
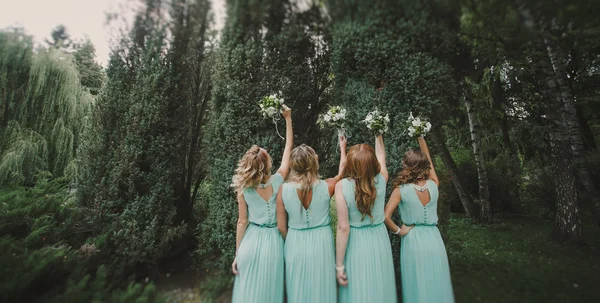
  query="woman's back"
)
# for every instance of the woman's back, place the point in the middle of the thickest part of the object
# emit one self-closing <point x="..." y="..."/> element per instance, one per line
<point x="317" y="213"/>
<point x="355" y="216"/>
<point x="415" y="212"/>
<point x="263" y="211"/>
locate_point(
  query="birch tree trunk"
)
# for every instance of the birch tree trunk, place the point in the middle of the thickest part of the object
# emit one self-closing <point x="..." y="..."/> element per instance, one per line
<point x="464" y="197"/>
<point x="557" y="58"/>
<point x="568" y="222"/>
<point x="484" y="189"/>
<point x="567" y="225"/>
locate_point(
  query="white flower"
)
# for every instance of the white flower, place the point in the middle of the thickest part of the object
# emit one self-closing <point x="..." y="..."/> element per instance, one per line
<point x="387" y="118"/>
<point x="369" y="126"/>
<point x="427" y="126"/>
<point x="327" y="118"/>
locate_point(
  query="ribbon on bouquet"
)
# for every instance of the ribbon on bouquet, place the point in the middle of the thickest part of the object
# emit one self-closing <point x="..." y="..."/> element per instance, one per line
<point x="276" y="128"/>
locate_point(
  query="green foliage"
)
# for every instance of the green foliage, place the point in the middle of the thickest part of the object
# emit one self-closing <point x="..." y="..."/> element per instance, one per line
<point x="40" y="121"/>
<point x="39" y="227"/>
<point x="56" y="274"/>
<point x="24" y="158"/>
<point x="141" y="155"/>
<point x="91" y="73"/>
<point x="132" y="196"/>
<point x="41" y="215"/>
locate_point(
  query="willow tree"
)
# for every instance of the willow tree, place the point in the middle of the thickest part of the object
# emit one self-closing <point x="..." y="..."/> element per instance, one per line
<point x="43" y="104"/>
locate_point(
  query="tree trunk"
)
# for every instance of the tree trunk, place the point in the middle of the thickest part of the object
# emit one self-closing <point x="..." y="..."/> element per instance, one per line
<point x="568" y="223"/>
<point x="464" y="197"/>
<point x="575" y="135"/>
<point x="484" y="189"/>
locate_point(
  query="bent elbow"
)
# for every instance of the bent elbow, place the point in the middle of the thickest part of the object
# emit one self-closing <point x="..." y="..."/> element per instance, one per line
<point x="242" y="222"/>
<point x="344" y="229"/>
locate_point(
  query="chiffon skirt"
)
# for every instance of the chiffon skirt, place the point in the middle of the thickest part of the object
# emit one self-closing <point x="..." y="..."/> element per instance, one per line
<point x="369" y="266"/>
<point x="310" y="266"/>
<point x="260" y="266"/>
<point x="424" y="267"/>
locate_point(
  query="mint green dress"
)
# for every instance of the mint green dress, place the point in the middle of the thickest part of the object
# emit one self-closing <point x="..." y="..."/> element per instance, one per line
<point x="309" y="247"/>
<point x="260" y="255"/>
<point x="423" y="259"/>
<point x="368" y="262"/>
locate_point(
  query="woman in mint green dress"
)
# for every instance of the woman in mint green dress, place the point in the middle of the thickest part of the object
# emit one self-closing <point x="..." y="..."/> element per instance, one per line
<point x="258" y="264"/>
<point x="303" y="220"/>
<point x="423" y="259"/>
<point x="364" y="263"/>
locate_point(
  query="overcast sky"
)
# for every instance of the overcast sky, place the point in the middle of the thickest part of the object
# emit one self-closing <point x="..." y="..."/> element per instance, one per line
<point x="81" y="17"/>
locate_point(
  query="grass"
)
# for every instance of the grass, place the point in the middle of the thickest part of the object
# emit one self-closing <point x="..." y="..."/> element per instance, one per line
<point x="516" y="262"/>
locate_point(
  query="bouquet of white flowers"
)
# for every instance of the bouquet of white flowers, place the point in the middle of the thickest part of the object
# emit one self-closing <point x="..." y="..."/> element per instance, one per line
<point x="417" y="126"/>
<point x="334" y="117"/>
<point x="271" y="106"/>
<point x="377" y="122"/>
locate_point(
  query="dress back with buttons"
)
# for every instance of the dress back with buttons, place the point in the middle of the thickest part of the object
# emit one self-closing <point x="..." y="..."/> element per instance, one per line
<point x="317" y="213"/>
<point x="261" y="211"/>
<point x="412" y="211"/>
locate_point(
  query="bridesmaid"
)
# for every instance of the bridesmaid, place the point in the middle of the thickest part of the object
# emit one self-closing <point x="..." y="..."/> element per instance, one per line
<point x="423" y="259"/>
<point x="258" y="264"/>
<point x="303" y="207"/>
<point x="363" y="243"/>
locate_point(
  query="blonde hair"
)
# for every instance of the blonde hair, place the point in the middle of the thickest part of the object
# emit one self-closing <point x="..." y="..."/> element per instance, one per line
<point x="253" y="169"/>
<point x="304" y="169"/>
<point x="362" y="166"/>
<point x="415" y="167"/>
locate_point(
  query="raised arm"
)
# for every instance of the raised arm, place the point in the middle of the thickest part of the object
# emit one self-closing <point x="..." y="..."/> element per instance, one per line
<point x="331" y="182"/>
<point x="380" y="153"/>
<point x="242" y="225"/>
<point x="281" y="214"/>
<point x="343" y="232"/>
<point x="390" y="208"/>
<point x="425" y="149"/>
<point x="284" y="169"/>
